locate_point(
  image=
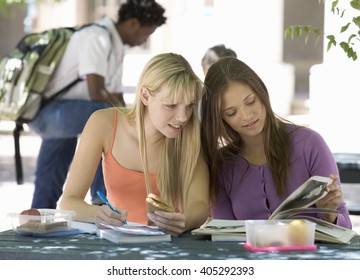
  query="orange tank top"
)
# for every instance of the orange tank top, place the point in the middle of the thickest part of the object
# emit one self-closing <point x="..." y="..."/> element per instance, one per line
<point x="126" y="188"/>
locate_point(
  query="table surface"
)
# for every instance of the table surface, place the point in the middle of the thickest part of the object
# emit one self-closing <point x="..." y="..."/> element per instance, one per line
<point x="193" y="247"/>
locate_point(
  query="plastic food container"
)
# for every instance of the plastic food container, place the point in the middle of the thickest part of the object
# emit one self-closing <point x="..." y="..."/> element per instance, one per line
<point x="49" y="221"/>
<point x="278" y="235"/>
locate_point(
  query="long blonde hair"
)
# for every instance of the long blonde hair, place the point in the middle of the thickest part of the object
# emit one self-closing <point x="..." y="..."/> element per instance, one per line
<point x="178" y="156"/>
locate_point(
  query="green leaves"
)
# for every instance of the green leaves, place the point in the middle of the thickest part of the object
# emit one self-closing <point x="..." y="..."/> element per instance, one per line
<point x="356" y="20"/>
<point x="345" y="27"/>
<point x="347" y="45"/>
<point x="348" y="50"/>
<point x="296" y="31"/>
<point x="331" y="42"/>
<point x="355" y="4"/>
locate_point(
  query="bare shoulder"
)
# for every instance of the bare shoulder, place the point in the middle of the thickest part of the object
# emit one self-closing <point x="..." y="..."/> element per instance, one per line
<point x="102" y="119"/>
<point x="99" y="122"/>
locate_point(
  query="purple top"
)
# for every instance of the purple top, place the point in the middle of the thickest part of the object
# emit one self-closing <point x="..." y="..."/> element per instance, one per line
<point x="247" y="191"/>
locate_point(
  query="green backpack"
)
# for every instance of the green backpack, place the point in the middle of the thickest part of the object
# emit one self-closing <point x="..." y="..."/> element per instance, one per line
<point x="25" y="73"/>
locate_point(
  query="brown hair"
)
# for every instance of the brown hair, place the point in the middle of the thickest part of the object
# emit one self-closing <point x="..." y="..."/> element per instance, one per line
<point x="216" y="133"/>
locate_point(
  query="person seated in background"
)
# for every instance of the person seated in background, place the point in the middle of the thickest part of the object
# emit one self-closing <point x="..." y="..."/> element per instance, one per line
<point x="151" y="147"/>
<point x="213" y="54"/>
<point x="255" y="158"/>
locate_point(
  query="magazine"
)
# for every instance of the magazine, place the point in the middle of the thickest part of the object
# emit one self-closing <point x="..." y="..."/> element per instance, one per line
<point x="295" y="204"/>
<point x="223" y="230"/>
<point x="307" y="194"/>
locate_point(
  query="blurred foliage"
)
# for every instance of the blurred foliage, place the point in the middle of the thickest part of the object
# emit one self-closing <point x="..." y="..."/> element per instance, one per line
<point x="5" y="5"/>
<point x="352" y="39"/>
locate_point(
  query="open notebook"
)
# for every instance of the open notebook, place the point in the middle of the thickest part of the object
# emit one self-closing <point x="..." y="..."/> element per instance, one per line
<point x="133" y="233"/>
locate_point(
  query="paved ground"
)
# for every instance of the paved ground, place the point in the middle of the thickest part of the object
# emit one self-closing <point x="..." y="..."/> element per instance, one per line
<point x="15" y="198"/>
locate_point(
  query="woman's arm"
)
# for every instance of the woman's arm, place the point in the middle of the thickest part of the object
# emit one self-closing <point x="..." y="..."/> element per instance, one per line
<point x="197" y="200"/>
<point x="322" y="162"/>
<point x="196" y="208"/>
<point x="95" y="136"/>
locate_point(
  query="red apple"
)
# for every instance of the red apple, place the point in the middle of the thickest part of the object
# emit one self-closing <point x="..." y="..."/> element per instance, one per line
<point x="33" y="212"/>
<point x="25" y="216"/>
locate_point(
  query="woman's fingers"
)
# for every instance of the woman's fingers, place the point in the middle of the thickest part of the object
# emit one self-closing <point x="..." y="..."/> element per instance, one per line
<point x="107" y="216"/>
<point x="173" y="223"/>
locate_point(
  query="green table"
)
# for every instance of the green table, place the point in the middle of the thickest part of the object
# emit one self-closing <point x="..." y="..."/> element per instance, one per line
<point x="91" y="247"/>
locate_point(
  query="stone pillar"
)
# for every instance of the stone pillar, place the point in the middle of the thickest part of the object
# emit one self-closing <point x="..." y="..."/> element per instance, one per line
<point x="255" y="29"/>
<point x="334" y="89"/>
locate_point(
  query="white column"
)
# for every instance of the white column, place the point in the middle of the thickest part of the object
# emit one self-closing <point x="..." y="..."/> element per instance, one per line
<point x="255" y="30"/>
<point x="334" y="89"/>
<point x="52" y="15"/>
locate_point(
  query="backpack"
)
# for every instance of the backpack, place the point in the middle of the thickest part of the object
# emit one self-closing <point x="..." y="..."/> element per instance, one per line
<point x="25" y="73"/>
<point x="24" y="76"/>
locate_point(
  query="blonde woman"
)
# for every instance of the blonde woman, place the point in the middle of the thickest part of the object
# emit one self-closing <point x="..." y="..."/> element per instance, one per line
<point x="151" y="147"/>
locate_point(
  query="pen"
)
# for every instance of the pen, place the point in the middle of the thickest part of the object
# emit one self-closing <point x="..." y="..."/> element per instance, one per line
<point x="103" y="198"/>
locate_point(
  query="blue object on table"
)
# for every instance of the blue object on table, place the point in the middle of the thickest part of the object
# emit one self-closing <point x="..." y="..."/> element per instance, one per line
<point x="51" y="234"/>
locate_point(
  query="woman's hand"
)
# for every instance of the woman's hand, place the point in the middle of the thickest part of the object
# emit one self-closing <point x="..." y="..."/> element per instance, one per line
<point x="107" y="216"/>
<point x="173" y="223"/>
<point x="332" y="200"/>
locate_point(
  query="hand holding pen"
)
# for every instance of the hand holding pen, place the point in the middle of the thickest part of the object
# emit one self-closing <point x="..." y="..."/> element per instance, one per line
<point x="103" y="198"/>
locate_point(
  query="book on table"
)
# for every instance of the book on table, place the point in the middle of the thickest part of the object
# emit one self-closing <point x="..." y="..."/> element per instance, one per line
<point x="293" y="207"/>
<point x="133" y="233"/>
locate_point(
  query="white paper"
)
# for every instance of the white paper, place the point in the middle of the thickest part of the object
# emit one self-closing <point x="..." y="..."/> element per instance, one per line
<point x="135" y="228"/>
